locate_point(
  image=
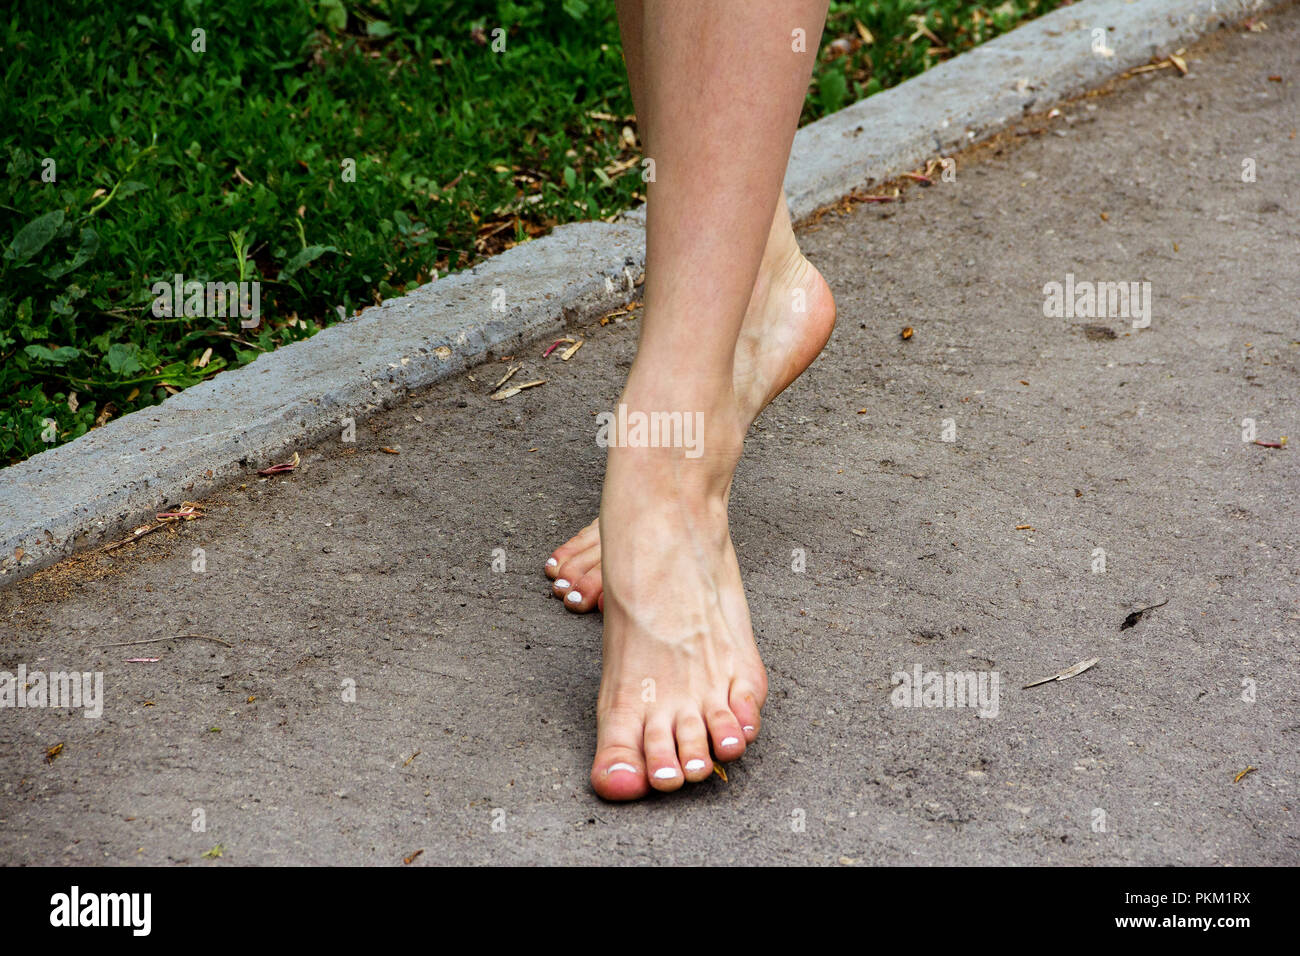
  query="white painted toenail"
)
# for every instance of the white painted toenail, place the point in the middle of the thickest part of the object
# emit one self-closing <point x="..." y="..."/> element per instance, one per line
<point x="626" y="767"/>
<point x="573" y="597"/>
<point x="694" y="765"/>
<point x="665" y="773"/>
<point x="747" y="729"/>
<point x="729" y="742"/>
<point x="552" y="563"/>
<point x="561" y="583"/>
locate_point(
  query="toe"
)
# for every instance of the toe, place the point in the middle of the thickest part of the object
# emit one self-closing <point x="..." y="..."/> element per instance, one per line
<point x="693" y="746"/>
<point x="580" y="542"/>
<point x="618" y="772"/>
<point x="724" y="730"/>
<point x="662" y="769"/>
<point x="574" y="568"/>
<point x="746" y="702"/>
<point x="585" y="593"/>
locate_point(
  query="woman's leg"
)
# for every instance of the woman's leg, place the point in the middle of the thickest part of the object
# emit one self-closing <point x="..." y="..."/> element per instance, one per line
<point x="722" y="87"/>
<point x="787" y="321"/>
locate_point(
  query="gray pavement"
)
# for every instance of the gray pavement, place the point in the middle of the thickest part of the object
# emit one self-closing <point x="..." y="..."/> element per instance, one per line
<point x="198" y="440"/>
<point x="374" y="571"/>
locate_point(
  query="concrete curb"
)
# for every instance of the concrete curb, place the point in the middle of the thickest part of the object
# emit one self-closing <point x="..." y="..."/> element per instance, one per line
<point x="112" y="478"/>
<point x="92" y="489"/>
<point x="974" y="95"/>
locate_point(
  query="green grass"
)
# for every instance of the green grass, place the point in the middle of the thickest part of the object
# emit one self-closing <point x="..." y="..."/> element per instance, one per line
<point x="130" y="155"/>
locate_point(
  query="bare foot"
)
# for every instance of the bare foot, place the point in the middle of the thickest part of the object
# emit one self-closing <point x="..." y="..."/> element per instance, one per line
<point x="788" y="322"/>
<point x="682" y="681"/>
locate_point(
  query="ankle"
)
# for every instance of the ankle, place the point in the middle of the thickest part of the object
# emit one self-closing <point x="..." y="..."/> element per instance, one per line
<point x="782" y="254"/>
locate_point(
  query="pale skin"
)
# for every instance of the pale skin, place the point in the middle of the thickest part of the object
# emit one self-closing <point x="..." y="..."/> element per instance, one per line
<point x="733" y="314"/>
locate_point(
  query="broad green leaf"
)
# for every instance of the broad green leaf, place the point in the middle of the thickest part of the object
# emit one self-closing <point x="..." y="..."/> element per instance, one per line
<point x="335" y="14"/>
<point x="59" y="356"/>
<point x="307" y="256"/>
<point x="89" y="246"/>
<point x="122" y="358"/>
<point x="34" y="236"/>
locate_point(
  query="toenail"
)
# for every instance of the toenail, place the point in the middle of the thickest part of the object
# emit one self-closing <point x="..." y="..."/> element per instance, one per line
<point x="665" y="773"/>
<point x="626" y="767"/>
<point x="552" y="563"/>
<point x="729" y="742"/>
<point x="561" y="583"/>
<point x="694" y="765"/>
<point x="573" y="597"/>
<point x="747" y="729"/>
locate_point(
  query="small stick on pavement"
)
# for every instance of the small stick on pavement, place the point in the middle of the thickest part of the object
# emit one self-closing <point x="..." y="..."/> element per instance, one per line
<point x="1066" y="674"/>
<point x="175" y="637"/>
<point x="289" y="465"/>
<point x="556" y="344"/>
<point x="506" y="377"/>
<point x="514" y="390"/>
<point x="136" y="535"/>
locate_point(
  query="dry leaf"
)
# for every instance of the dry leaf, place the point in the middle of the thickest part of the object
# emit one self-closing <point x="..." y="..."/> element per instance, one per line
<point x="717" y="768"/>
<point x="390" y="451"/>
<point x="907" y="332"/>
<point x="506" y="377"/>
<point x="408" y="860"/>
<point x="515" y="390"/>
<point x="1066" y="674"/>
<point x="1238" y="777"/>
<point x="53" y="752"/>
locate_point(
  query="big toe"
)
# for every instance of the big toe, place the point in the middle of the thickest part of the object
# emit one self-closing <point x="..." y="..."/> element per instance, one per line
<point x="618" y="772"/>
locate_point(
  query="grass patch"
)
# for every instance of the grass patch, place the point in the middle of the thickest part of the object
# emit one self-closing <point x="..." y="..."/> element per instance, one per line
<point x="337" y="153"/>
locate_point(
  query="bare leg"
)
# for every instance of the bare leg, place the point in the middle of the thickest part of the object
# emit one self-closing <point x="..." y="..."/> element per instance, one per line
<point x="722" y="89"/>
<point x="787" y="323"/>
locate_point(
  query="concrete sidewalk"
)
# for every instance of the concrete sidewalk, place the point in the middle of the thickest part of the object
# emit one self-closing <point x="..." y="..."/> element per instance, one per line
<point x="373" y="572"/>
